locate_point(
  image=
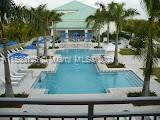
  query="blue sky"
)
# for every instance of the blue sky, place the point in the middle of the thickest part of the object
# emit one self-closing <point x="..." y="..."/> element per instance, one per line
<point x="55" y="3"/>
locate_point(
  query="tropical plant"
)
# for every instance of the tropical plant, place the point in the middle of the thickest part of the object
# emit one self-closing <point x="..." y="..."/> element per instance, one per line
<point x="54" y="18"/>
<point x="153" y="12"/>
<point x="97" y="22"/>
<point x="8" y="12"/>
<point x="108" y="18"/>
<point x="37" y="22"/>
<point x="119" y="14"/>
<point x="138" y="28"/>
<point x="18" y="30"/>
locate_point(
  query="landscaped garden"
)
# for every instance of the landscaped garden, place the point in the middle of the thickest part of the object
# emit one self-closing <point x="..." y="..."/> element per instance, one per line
<point x="128" y="51"/>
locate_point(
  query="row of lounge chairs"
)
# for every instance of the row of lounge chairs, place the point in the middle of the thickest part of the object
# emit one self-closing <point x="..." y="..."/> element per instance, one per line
<point x="17" y="71"/>
<point x="17" y="74"/>
<point x="12" y="51"/>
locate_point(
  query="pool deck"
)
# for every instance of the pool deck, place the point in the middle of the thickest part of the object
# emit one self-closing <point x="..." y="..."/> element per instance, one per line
<point x="131" y="62"/>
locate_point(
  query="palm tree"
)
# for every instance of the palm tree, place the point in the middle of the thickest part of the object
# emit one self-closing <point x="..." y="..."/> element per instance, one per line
<point x="119" y="14"/>
<point x="36" y="20"/>
<point x="46" y="27"/>
<point x="96" y="21"/>
<point x="54" y="18"/>
<point x="7" y="11"/>
<point x="106" y="12"/>
<point x="153" y="11"/>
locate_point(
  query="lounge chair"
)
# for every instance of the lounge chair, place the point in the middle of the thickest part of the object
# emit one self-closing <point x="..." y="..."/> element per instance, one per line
<point x="14" y="83"/>
<point x="21" y="48"/>
<point x="15" y="71"/>
<point x="17" y="50"/>
<point x="16" y="76"/>
<point x="9" y="52"/>
<point x="1" y="55"/>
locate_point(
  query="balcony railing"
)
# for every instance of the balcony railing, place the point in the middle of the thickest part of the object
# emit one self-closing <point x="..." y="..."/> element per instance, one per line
<point x="90" y="103"/>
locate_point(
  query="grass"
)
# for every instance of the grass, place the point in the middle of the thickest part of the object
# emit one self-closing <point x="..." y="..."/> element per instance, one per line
<point x="37" y="66"/>
<point x="112" y="65"/>
<point x="20" y="95"/>
<point x="156" y="72"/>
<point x="127" y="51"/>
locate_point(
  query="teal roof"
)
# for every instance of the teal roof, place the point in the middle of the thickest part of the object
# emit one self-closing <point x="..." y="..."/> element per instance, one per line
<point x="76" y="15"/>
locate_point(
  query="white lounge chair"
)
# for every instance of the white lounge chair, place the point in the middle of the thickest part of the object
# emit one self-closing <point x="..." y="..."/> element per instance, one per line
<point x="21" y="48"/>
<point x="16" y="76"/>
<point x="17" y="49"/>
<point x="14" y="71"/>
<point x="13" y="50"/>
<point x="14" y="83"/>
<point x="9" y="52"/>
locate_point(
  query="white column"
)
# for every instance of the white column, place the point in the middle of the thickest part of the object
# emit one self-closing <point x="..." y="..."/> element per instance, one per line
<point x="52" y="30"/>
<point x="85" y="33"/>
<point x="67" y="37"/>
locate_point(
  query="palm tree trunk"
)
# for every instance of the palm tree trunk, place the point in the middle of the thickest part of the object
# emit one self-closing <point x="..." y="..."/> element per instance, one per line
<point x="45" y="46"/>
<point x="8" y="85"/>
<point x="38" y="55"/>
<point x="149" y="62"/>
<point x="116" y="47"/>
<point x="99" y="38"/>
<point x="108" y="27"/>
<point x="54" y="35"/>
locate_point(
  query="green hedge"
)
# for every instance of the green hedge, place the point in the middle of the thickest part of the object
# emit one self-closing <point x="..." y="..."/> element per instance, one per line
<point x="128" y="51"/>
<point x="112" y="65"/>
<point x="19" y="95"/>
<point x="139" y="94"/>
<point x="37" y="66"/>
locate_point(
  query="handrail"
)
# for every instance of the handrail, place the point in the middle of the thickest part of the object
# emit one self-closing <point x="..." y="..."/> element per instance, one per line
<point x="89" y="102"/>
<point x="76" y="101"/>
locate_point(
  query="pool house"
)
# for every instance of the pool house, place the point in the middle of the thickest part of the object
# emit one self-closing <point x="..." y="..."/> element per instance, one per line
<point x="73" y="26"/>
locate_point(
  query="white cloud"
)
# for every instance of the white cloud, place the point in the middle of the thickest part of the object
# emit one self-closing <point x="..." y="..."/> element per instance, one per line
<point x="55" y="3"/>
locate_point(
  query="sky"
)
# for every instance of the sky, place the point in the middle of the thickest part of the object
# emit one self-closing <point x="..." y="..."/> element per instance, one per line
<point x="136" y="4"/>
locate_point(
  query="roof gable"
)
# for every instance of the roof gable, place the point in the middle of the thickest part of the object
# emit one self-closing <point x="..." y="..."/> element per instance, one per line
<point x="75" y="16"/>
<point x="74" y="5"/>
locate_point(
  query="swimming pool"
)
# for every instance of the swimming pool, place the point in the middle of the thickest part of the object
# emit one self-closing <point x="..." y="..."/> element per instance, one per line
<point x="82" y="77"/>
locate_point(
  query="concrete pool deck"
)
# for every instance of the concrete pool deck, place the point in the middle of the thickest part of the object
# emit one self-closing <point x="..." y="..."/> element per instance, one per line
<point x="131" y="62"/>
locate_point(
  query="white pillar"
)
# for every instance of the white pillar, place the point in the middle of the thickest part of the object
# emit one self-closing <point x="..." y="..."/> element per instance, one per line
<point x="52" y="30"/>
<point x="85" y="34"/>
<point x="67" y="37"/>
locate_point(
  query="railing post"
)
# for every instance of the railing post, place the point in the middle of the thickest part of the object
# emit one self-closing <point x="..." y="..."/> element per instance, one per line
<point x="90" y="111"/>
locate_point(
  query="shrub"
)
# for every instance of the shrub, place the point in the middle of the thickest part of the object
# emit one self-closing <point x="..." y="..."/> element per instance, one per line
<point x="112" y="65"/>
<point x="139" y="94"/>
<point x="56" y="47"/>
<point x="19" y="95"/>
<point x="127" y="51"/>
<point x="47" y="57"/>
<point x="138" y="44"/>
<point x="158" y="52"/>
<point x="98" y="47"/>
<point x="37" y="65"/>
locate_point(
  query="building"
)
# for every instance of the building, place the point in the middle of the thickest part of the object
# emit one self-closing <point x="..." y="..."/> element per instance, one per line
<point x="73" y="25"/>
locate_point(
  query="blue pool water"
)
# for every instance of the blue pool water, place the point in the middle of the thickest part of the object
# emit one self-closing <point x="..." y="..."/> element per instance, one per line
<point x="83" y="78"/>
